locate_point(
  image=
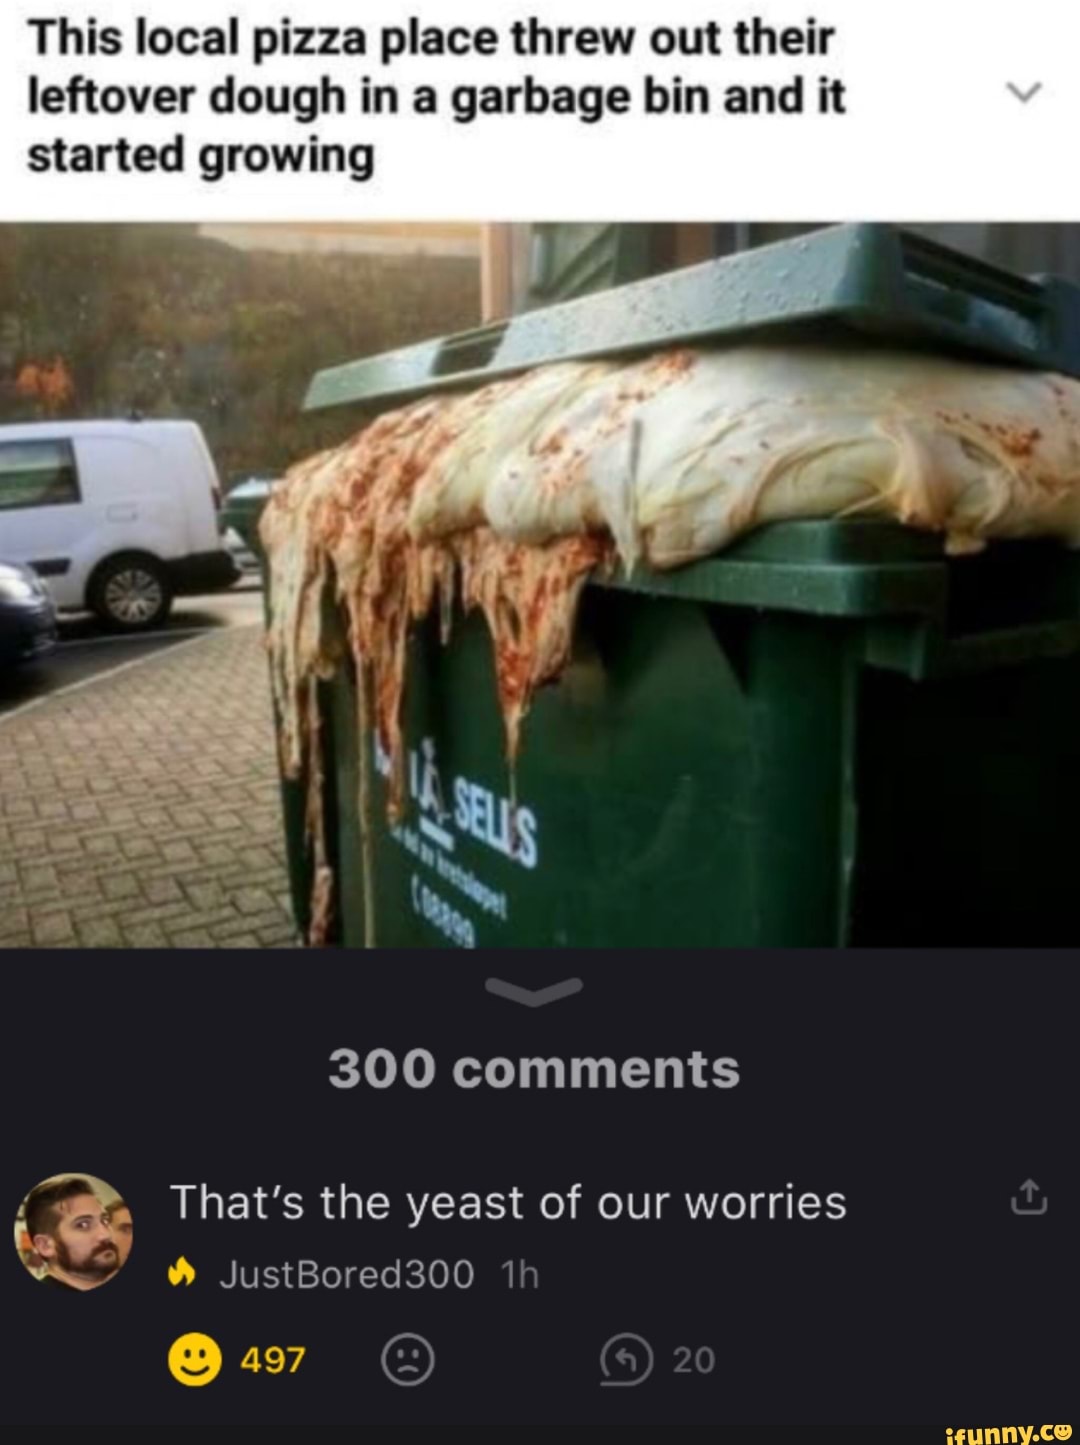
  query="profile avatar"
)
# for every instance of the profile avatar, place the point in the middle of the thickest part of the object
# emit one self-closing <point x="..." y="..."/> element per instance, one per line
<point x="69" y="1237"/>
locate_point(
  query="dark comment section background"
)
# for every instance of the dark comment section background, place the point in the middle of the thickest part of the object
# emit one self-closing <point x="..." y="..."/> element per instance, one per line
<point x="925" y="1091"/>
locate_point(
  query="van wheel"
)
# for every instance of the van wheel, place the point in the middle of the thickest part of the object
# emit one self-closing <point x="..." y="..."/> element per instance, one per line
<point x="130" y="593"/>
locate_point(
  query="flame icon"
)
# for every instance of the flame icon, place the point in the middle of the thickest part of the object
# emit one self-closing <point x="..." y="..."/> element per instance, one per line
<point x="181" y="1270"/>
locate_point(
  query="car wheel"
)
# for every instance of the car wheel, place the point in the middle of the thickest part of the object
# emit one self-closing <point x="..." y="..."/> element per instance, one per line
<point x="131" y="593"/>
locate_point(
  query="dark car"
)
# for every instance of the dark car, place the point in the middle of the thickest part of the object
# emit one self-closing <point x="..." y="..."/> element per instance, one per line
<point x="240" y="515"/>
<point x="27" y="616"/>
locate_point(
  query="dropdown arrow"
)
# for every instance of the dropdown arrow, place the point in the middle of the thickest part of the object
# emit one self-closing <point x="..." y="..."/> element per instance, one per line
<point x="534" y="997"/>
<point x="1023" y="96"/>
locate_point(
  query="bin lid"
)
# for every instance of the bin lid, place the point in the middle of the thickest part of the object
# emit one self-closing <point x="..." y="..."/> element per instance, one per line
<point x="879" y="281"/>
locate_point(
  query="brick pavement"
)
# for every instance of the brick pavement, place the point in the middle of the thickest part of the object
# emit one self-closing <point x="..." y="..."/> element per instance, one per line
<point x="142" y="810"/>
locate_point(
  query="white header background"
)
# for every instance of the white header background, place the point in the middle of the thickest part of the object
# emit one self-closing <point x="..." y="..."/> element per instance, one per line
<point x="932" y="133"/>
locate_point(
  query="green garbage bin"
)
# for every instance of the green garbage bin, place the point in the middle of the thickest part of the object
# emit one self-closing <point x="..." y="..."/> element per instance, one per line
<point x="831" y="734"/>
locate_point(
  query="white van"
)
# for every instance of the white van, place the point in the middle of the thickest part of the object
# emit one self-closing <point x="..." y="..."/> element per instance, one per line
<point x="118" y="516"/>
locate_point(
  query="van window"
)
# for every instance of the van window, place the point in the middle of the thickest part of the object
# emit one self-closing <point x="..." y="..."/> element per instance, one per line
<point x="37" y="474"/>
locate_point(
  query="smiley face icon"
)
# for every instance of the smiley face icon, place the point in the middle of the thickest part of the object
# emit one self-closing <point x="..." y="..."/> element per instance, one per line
<point x="408" y="1359"/>
<point x="194" y="1359"/>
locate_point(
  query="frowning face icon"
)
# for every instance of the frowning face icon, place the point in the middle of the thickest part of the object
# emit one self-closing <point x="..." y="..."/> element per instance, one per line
<point x="408" y="1359"/>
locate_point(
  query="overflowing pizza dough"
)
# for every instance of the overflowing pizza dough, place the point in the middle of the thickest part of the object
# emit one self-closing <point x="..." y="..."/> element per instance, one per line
<point x="509" y="497"/>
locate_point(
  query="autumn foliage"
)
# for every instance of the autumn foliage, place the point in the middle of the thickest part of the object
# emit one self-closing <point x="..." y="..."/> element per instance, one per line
<point x="48" y="383"/>
<point x="162" y="321"/>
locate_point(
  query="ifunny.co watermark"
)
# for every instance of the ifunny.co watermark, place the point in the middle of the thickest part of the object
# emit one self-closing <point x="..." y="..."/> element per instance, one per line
<point x="1009" y="1435"/>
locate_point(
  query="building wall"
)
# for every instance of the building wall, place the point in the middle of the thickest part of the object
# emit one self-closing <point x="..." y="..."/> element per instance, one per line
<point x="543" y="263"/>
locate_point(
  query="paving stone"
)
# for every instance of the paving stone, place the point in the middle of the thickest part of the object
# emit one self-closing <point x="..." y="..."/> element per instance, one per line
<point x="252" y="900"/>
<point x="16" y="921"/>
<point x="37" y="878"/>
<point x="145" y="935"/>
<point x="84" y="812"/>
<point x="204" y="895"/>
<point x="276" y="937"/>
<point x="162" y="890"/>
<point x="100" y="933"/>
<point x="52" y="930"/>
<point x="51" y="810"/>
<point x="120" y="885"/>
<point x="191" y="938"/>
<point x="142" y="810"/>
